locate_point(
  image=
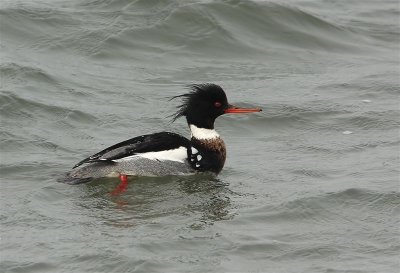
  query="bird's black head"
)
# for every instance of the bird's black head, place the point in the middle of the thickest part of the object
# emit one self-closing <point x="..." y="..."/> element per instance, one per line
<point x="202" y="105"/>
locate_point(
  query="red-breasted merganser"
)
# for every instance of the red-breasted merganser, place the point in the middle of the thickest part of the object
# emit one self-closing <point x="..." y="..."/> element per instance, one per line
<point x="167" y="153"/>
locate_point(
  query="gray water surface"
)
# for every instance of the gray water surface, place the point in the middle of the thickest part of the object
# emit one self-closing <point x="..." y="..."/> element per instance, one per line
<point x="311" y="184"/>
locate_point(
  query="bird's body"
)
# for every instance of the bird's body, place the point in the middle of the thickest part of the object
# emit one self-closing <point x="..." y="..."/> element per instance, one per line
<point x="166" y="153"/>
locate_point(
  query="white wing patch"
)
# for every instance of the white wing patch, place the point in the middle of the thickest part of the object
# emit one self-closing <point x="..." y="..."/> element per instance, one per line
<point x="203" y="133"/>
<point x="179" y="154"/>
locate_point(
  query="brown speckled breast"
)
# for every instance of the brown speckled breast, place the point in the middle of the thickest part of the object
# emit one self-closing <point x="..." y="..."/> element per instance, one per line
<point x="213" y="154"/>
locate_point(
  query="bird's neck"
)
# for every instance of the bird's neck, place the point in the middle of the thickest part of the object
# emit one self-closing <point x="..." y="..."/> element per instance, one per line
<point x="202" y="133"/>
<point x="210" y="146"/>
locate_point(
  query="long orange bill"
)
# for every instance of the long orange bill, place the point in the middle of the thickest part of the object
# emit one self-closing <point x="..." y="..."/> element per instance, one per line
<point x="236" y="110"/>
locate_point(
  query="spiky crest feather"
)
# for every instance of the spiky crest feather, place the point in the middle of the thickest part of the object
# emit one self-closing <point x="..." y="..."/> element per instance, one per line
<point x="196" y="91"/>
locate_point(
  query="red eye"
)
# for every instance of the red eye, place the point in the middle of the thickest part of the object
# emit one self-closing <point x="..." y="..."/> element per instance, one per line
<point x="217" y="104"/>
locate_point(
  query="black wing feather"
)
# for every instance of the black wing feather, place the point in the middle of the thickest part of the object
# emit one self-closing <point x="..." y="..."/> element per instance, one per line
<point x="141" y="144"/>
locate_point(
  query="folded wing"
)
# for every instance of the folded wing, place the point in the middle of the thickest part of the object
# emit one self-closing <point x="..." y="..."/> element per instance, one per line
<point x="145" y="144"/>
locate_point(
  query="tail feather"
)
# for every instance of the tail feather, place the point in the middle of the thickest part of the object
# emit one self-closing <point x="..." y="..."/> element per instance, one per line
<point x="68" y="179"/>
<point x="87" y="173"/>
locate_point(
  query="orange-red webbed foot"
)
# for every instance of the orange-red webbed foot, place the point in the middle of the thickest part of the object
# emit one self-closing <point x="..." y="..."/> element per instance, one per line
<point x="122" y="186"/>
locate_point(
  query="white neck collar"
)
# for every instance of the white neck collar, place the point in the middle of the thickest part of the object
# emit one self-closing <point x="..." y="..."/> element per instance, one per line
<point x="202" y="133"/>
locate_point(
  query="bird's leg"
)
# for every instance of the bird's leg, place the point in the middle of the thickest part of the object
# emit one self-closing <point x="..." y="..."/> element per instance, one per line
<point x="122" y="186"/>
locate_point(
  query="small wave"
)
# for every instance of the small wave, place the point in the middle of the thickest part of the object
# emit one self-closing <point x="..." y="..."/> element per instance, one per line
<point x="13" y="266"/>
<point x="15" y="73"/>
<point x="244" y="27"/>
<point x="135" y="29"/>
<point x="331" y="206"/>
<point x="17" y="107"/>
<point x="348" y="149"/>
<point x="384" y="120"/>
<point x="311" y="173"/>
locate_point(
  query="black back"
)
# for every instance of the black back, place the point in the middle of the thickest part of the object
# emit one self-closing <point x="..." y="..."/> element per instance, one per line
<point x="141" y="144"/>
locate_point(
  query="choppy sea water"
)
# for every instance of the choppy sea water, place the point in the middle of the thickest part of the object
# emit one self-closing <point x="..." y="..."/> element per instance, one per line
<point x="311" y="184"/>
